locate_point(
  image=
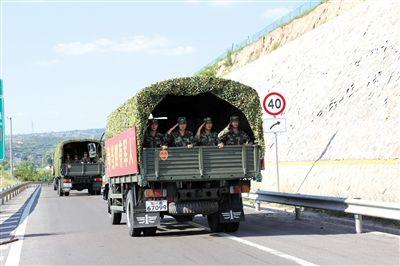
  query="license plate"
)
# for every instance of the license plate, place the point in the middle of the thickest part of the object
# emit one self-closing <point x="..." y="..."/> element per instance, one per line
<point x="156" y="205"/>
<point x="67" y="185"/>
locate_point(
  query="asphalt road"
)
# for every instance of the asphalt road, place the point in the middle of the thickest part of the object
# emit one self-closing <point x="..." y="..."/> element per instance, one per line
<point x="75" y="230"/>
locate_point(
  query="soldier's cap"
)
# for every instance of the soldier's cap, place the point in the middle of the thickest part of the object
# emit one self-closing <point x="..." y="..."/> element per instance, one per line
<point x="234" y="118"/>
<point x="153" y="121"/>
<point x="181" y="120"/>
<point x="207" y="120"/>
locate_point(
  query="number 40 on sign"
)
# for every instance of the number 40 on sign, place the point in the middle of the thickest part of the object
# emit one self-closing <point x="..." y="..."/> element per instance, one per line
<point x="274" y="103"/>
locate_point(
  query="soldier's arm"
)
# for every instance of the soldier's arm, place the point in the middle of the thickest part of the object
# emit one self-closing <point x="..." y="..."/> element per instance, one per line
<point x="222" y="135"/>
<point x="247" y="139"/>
<point x="191" y="140"/>
<point x="167" y="139"/>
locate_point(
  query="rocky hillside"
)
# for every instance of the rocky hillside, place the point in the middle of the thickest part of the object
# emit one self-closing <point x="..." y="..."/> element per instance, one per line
<point x="284" y="34"/>
<point x="342" y="86"/>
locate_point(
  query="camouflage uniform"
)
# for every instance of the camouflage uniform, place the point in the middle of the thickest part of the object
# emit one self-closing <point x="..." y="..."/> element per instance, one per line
<point x="180" y="141"/>
<point x="228" y="137"/>
<point x="153" y="142"/>
<point x="207" y="139"/>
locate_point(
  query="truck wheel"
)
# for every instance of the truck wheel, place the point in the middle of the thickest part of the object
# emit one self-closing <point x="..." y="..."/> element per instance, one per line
<point x="150" y="231"/>
<point x="130" y="216"/>
<point x="115" y="217"/>
<point x="90" y="191"/>
<point x="231" y="227"/>
<point x="214" y="224"/>
<point x="59" y="190"/>
<point x="66" y="194"/>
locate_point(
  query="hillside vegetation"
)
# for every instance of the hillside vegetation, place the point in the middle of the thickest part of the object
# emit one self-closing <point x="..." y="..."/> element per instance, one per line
<point x="37" y="148"/>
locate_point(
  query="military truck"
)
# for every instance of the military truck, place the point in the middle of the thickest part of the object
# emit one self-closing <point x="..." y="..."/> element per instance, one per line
<point x="78" y="165"/>
<point x="149" y="183"/>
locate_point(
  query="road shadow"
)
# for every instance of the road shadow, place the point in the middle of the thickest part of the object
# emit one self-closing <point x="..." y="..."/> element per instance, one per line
<point x="280" y="223"/>
<point x="12" y="222"/>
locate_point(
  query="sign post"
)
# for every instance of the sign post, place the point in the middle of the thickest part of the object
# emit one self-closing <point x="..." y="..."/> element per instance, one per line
<point x="274" y="104"/>
<point x="2" y="127"/>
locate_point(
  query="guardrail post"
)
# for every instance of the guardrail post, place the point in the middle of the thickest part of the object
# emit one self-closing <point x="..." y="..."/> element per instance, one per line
<point x="297" y="212"/>
<point x="258" y="206"/>
<point x="358" y="223"/>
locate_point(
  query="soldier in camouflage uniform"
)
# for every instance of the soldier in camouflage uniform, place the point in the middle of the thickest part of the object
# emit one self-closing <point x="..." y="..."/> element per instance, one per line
<point x="204" y="135"/>
<point x="180" y="137"/>
<point x="152" y="138"/>
<point x="232" y="134"/>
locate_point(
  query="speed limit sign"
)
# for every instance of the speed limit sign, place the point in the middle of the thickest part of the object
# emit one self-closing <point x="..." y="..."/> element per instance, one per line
<point x="274" y="103"/>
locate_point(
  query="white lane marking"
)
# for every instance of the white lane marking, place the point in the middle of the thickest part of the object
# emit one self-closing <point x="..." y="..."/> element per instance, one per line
<point x="14" y="254"/>
<point x="383" y="234"/>
<point x="260" y="247"/>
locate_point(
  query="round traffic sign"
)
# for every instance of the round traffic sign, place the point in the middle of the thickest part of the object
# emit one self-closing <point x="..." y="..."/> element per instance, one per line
<point x="274" y="103"/>
<point x="163" y="155"/>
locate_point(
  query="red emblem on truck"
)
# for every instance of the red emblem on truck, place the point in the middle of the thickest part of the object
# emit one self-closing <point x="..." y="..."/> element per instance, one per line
<point x="163" y="155"/>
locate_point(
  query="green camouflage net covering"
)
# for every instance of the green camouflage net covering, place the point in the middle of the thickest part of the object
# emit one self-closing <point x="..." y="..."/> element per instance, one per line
<point x="135" y="111"/>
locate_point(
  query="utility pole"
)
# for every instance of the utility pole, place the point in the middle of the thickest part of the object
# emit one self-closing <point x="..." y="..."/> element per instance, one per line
<point x="11" y="150"/>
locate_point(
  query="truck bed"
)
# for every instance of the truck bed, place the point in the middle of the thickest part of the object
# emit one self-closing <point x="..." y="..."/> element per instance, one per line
<point x="82" y="169"/>
<point x="201" y="163"/>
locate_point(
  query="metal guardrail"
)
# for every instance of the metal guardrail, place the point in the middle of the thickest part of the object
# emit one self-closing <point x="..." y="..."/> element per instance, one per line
<point x="299" y="11"/>
<point x="357" y="207"/>
<point x="12" y="191"/>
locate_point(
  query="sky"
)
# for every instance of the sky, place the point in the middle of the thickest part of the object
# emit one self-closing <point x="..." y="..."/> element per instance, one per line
<point x="67" y="65"/>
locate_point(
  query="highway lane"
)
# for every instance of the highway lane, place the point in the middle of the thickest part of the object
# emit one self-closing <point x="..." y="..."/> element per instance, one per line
<point x="75" y="230"/>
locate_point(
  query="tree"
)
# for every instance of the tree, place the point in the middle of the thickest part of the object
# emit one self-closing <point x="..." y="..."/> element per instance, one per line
<point x="26" y="171"/>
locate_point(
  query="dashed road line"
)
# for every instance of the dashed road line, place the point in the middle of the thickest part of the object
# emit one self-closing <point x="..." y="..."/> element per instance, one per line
<point x="260" y="247"/>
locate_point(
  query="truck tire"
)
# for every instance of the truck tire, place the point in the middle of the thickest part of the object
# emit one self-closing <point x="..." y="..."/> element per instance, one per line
<point x="66" y="194"/>
<point x="231" y="227"/>
<point x="130" y="216"/>
<point x="150" y="231"/>
<point x="90" y="191"/>
<point x="115" y="217"/>
<point x="214" y="223"/>
<point x="59" y="190"/>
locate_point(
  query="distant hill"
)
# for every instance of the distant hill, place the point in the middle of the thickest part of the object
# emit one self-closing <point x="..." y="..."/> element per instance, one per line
<point x="38" y="147"/>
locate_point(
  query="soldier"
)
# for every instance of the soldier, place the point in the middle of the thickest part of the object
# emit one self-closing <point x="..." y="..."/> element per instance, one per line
<point x="204" y="135"/>
<point x="232" y="134"/>
<point x="76" y="159"/>
<point x="85" y="158"/>
<point x="68" y="158"/>
<point x="180" y="137"/>
<point x="152" y="138"/>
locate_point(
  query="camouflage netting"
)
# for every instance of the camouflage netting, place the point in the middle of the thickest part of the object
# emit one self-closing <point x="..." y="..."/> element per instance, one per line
<point x="135" y="111"/>
<point x="58" y="153"/>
